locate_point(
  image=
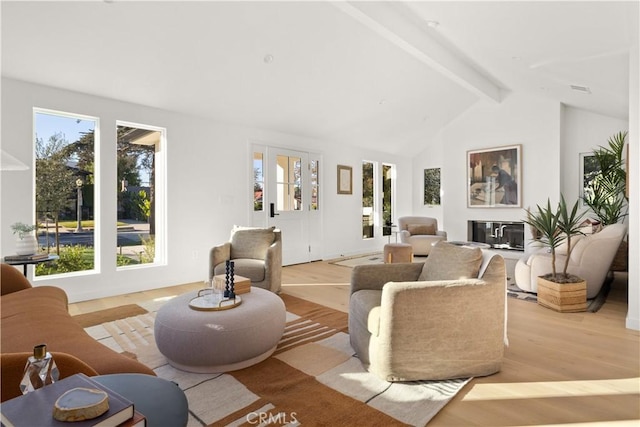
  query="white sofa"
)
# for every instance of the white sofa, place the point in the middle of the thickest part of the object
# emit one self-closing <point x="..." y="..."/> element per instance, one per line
<point x="590" y="259"/>
<point x="420" y="232"/>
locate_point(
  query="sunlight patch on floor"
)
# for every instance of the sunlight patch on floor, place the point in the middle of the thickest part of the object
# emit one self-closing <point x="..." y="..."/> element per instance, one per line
<point x="531" y="390"/>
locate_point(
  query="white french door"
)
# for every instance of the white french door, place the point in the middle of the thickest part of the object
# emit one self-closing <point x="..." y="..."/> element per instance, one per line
<point x="291" y="202"/>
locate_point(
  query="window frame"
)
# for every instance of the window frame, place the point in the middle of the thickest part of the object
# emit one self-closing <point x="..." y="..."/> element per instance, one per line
<point x="97" y="205"/>
<point x="160" y="194"/>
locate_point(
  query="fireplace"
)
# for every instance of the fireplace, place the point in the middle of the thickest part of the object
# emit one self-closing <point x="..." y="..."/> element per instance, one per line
<point x="507" y="235"/>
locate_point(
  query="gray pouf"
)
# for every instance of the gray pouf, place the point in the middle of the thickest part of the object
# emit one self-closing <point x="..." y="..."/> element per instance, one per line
<point x="220" y="341"/>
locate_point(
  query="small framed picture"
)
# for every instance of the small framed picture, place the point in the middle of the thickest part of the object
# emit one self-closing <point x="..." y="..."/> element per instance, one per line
<point x="345" y="179"/>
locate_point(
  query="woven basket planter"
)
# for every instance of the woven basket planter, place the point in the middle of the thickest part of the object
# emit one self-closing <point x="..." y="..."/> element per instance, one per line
<point x="562" y="297"/>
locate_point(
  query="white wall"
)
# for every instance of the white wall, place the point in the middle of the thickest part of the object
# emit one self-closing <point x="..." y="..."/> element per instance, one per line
<point x="633" y="313"/>
<point x="552" y="136"/>
<point x="530" y="121"/>
<point x="209" y="186"/>
<point x="431" y="157"/>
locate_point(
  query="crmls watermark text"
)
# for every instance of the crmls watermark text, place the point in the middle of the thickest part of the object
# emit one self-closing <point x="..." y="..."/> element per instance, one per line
<point x="268" y="418"/>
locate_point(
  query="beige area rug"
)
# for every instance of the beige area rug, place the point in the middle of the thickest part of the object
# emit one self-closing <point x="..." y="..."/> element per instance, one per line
<point x="101" y="316"/>
<point x="313" y="378"/>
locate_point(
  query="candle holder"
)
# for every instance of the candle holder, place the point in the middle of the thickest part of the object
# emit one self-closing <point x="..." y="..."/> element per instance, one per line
<point x="226" y="278"/>
<point x="232" y="293"/>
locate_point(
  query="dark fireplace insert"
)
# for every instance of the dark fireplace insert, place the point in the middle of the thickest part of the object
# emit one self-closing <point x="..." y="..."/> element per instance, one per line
<point x="507" y="235"/>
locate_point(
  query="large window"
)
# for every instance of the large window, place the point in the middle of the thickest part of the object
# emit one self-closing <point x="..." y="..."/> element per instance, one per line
<point x="368" y="206"/>
<point x="65" y="183"/>
<point x="289" y="183"/>
<point x="258" y="181"/>
<point x="315" y="184"/>
<point x="377" y="198"/>
<point x="387" y="199"/>
<point x="139" y="194"/>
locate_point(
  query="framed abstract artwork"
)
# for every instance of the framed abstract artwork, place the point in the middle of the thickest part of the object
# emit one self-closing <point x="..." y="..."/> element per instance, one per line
<point x="345" y="179"/>
<point x="432" y="186"/>
<point x="494" y="177"/>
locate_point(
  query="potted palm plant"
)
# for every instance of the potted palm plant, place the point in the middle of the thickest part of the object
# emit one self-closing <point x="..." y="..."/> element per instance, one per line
<point x="605" y="191"/>
<point x="560" y="291"/>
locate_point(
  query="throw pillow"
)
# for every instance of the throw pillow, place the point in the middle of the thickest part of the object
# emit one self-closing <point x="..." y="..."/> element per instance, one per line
<point x="421" y="229"/>
<point x="251" y="242"/>
<point x="451" y="262"/>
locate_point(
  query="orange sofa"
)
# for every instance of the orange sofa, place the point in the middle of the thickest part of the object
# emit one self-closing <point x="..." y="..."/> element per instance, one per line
<point x="36" y="315"/>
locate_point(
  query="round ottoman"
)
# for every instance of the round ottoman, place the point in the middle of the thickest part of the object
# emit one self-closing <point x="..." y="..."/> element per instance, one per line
<point x="398" y="252"/>
<point x="220" y="341"/>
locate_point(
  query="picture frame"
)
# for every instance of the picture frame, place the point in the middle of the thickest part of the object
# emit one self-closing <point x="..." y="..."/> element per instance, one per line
<point x="432" y="186"/>
<point x="494" y="177"/>
<point x="345" y="179"/>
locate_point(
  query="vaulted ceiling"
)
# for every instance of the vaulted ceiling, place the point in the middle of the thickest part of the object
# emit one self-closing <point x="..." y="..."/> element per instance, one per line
<point x="383" y="75"/>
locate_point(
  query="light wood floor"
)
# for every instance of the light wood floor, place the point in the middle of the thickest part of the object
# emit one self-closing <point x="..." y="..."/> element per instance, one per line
<point x="571" y="368"/>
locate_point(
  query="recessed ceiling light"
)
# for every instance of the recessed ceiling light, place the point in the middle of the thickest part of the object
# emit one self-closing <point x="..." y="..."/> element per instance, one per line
<point x="581" y="89"/>
<point x="433" y="24"/>
<point x="382" y="101"/>
<point x="268" y="59"/>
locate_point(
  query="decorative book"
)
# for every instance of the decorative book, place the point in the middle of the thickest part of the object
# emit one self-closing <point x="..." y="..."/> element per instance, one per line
<point x="33" y="257"/>
<point x="36" y="408"/>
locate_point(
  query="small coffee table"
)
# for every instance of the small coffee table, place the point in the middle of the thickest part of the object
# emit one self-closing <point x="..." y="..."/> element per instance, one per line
<point x="25" y="262"/>
<point x="162" y="402"/>
<point x="220" y="341"/>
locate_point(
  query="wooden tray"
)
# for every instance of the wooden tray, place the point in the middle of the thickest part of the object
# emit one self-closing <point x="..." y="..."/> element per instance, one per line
<point x="204" y="302"/>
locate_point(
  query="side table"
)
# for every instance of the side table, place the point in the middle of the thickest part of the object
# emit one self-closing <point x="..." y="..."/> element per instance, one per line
<point x="159" y="400"/>
<point x="25" y="262"/>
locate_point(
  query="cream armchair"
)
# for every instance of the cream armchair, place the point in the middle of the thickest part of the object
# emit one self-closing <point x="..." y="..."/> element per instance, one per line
<point x="420" y="232"/>
<point x="256" y="253"/>
<point x="442" y="319"/>
<point x="590" y="260"/>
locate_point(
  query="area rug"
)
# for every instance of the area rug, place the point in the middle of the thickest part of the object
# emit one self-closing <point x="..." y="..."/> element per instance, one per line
<point x="101" y="316"/>
<point x="593" y="304"/>
<point x="313" y="377"/>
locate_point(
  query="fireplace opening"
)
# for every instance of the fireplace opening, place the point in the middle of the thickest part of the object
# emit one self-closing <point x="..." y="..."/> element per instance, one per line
<point x="506" y="235"/>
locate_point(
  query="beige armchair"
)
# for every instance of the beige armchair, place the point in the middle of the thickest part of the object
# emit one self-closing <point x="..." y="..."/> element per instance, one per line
<point x="442" y="319"/>
<point x="420" y="232"/>
<point x="590" y="260"/>
<point x="256" y="253"/>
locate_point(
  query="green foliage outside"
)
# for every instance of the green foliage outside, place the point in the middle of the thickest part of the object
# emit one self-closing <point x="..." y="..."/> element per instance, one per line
<point x="80" y="258"/>
<point x="148" y="254"/>
<point x="136" y="206"/>
<point x="72" y="258"/>
<point x="55" y="182"/>
<point x="367" y="198"/>
<point x="144" y="204"/>
<point x="432" y="186"/>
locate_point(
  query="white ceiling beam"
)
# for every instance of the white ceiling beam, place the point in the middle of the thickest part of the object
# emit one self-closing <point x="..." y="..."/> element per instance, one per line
<point x="384" y="19"/>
